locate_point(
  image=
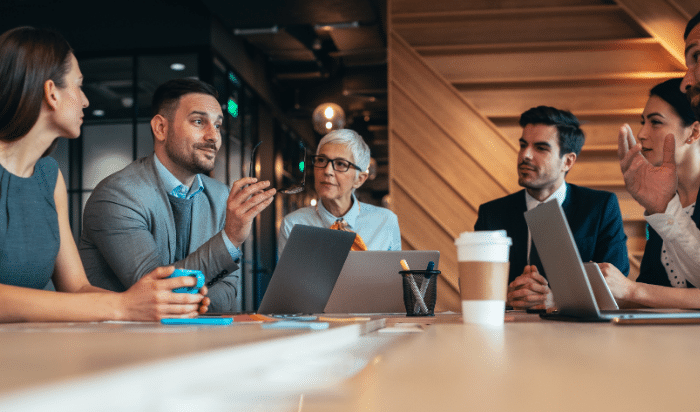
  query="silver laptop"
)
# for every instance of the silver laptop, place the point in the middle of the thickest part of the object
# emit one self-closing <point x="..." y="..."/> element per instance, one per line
<point x="601" y="291"/>
<point x="306" y="271"/>
<point x="567" y="276"/>
<point x="370" y="281"/>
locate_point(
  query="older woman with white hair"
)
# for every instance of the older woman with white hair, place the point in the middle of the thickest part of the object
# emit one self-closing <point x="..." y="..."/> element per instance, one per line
<point x="341" y="166"/>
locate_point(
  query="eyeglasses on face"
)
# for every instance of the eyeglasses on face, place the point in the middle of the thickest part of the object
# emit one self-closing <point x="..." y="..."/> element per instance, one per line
<point x="338" y="164"/>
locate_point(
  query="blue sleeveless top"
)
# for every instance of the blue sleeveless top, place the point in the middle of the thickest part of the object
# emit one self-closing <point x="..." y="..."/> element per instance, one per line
<point x="29" y="235"/>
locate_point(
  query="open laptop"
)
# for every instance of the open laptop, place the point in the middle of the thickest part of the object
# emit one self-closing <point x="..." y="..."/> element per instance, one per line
<point x="601" y="291"/>
<point x="370" y="281"/>
<point x="306" y="271"/>
<point x="567" y="276"/>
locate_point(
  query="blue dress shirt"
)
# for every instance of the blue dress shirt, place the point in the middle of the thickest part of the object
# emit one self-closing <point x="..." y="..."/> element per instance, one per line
<point x="175" y="188"/>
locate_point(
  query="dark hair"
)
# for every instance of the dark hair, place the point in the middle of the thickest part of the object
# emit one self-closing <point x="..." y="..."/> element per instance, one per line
<point x="28" y="58"/>
<point x="571" y="137"/>
<point x="167" y="95"/>
<point x="691" y="25"/>
<point x="670" y="92"/>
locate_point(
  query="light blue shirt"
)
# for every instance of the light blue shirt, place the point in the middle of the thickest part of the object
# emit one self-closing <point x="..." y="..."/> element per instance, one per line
<point x="378" y="227"/>
<point x="175" y="188"/>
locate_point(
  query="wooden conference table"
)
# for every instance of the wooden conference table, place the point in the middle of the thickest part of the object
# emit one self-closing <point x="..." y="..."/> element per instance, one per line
<point x="385" y="364"/>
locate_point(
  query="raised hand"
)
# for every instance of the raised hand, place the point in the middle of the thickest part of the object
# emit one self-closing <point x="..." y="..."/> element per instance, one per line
<point x="651" y="186"/>
<point x="245" y="201"/>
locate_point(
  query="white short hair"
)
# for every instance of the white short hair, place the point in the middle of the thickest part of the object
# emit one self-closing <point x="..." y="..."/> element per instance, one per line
<point x="353" y="141"/>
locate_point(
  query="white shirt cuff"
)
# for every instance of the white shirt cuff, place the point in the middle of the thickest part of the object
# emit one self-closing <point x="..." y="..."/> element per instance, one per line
<point x="672" y="221"/>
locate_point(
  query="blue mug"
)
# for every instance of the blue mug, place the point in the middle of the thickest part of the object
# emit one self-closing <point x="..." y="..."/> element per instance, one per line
<point x="188" y="272"/>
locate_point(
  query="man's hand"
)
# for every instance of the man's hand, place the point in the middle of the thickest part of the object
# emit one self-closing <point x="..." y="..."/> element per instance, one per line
<point x="204" y="304"/>
<point x="245" y="201"/>
<point x="652" y="186"/>
<point x="530" y="290"/>
<point x="152" y="297"/>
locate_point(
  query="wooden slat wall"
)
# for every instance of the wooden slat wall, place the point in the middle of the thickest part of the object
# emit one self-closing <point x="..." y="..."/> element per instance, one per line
<point x="461" y="73"/>
<point x="437" y="143"/>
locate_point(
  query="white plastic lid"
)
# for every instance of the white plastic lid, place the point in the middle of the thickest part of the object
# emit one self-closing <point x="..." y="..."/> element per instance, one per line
<point x="491" y="237"/>
<point x="483" y="246"/>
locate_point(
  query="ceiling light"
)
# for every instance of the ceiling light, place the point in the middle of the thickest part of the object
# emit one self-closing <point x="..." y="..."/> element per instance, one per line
<point x="98" y="113"/>
<point x="328" y="117"/>
<point x="178" y="67"/>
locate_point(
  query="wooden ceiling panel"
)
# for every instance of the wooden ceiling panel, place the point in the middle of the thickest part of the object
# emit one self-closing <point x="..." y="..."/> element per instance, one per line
<point x="421" y="6"/>
<point x="583" y="101"/>
<point x="690" y="7"/>
<point x="516" y="26"/>
<point x="663" y="20"/>
<point x="564" y="65"/>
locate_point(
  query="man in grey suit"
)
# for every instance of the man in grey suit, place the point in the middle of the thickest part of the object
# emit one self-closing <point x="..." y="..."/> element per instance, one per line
<point x="164" y="210"/>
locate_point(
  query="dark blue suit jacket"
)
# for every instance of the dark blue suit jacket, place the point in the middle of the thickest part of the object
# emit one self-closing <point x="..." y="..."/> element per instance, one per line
<point x="652" y="270"/>
<point x="594" y="218"/>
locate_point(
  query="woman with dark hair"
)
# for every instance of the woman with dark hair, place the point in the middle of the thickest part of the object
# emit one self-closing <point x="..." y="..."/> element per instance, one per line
<point x="41" y="99"/>
<point x="670" y="259"/>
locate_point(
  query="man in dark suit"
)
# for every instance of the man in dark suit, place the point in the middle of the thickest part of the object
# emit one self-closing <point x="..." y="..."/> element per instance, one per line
<point x="163" y="209"/>
<point x="550" y="143"/>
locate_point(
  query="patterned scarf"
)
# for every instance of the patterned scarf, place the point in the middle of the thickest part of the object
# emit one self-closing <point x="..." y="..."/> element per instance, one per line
<point x="358" y="244"/>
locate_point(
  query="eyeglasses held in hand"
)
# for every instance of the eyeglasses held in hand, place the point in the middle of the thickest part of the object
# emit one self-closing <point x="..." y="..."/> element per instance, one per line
<point x="338" y="164"/>
<point x="290" y="191"/>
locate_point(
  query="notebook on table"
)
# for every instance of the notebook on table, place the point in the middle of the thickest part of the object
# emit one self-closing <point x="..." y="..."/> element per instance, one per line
<point x="370" y="281"/>
<point x="307" y="271"/>
<point x="573" y="294"/>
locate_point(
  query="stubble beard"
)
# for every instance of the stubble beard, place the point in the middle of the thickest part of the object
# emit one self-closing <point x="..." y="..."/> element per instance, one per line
<point x="693" y="95"/>
<point x="525" y="180"/>
<point x="527" y="184"/>
<point x="192" y="163"/>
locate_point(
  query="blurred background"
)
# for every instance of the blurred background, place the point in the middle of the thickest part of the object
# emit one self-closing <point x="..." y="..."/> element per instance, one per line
<point x="435" y="88"/>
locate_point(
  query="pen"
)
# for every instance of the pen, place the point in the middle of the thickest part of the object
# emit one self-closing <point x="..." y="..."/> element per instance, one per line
<point x="424" y="283"/>
<point x="414" y="288"/>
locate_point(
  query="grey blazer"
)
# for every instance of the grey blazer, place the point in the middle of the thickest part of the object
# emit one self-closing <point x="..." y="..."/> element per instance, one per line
<point x="129" y="230"/>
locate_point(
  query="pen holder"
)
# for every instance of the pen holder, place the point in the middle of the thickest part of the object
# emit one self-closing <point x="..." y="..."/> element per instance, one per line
<point x="419" y="291"/>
